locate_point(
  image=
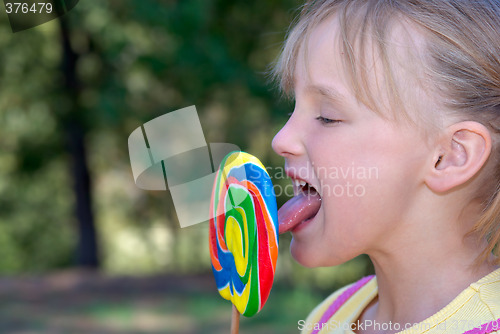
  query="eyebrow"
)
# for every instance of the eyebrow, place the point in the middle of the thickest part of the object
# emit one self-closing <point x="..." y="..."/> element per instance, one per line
<point x="328" y="92"/>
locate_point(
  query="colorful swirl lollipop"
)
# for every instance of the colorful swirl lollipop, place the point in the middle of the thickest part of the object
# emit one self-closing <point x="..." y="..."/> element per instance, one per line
<point x="243" y="232"/>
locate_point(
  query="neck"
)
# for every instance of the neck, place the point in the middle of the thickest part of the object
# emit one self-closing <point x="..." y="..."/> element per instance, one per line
<point x="411" y="290"/>
<point x="427" y="261"/>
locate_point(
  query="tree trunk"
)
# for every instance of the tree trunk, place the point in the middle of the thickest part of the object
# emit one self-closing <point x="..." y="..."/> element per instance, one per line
<point x="87" y="247"/>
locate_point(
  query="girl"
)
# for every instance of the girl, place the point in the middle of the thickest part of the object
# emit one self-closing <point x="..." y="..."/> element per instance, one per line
<point x="402" y="97"/>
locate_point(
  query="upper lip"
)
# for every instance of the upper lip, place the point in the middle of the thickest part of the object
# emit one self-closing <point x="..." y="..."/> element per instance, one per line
<point x="297" y="181"/>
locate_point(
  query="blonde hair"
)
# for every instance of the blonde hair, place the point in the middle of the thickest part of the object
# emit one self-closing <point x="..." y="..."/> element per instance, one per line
<point x="461" y="56"/>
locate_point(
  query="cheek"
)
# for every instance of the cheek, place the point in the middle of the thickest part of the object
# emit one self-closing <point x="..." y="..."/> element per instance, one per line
<point x="382" y="189"/>
<point x="364" y="192"/>
<point x="331" y="241"/>
<point x="346" y="175"/>
<point x="367" y="182"/>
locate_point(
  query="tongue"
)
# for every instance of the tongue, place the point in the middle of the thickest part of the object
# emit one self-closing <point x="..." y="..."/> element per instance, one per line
<point x="299" y="208"/>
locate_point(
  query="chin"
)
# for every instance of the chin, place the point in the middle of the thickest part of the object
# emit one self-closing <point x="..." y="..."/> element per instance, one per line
<point x="306" y="256"/>
<point x="306" y="263"/>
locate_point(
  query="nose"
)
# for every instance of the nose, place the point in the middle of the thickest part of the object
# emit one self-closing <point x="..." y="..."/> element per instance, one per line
<point x="287" y="141"/>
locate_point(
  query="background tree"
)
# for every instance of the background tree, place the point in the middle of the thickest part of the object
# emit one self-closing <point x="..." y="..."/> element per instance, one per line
<point x="125" y="63"/>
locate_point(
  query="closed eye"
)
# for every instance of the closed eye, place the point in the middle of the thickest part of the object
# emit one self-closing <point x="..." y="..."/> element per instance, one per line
<point x="325" y="120"/>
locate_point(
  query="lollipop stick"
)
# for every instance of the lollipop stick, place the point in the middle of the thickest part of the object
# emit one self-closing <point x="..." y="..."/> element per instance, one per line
<point x="235" y="321"/>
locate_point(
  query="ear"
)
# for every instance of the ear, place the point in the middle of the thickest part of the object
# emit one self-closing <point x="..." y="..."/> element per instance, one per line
<point x="462" y="150"/>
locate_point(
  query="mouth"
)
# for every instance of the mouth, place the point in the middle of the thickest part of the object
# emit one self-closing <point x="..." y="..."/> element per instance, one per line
<point x="300" y="209"/>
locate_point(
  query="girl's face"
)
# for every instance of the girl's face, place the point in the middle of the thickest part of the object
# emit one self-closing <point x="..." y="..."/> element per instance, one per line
<point x="368" y="170"/>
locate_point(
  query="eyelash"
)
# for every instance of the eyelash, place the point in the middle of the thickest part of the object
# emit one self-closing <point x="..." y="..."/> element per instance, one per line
<point x="327" y="121"/>
<point x="322" y="119"/>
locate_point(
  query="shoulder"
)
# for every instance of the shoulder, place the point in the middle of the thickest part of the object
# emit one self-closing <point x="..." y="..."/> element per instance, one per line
<point x="337" y="307"/>
<point x="475" y="311"/>
<point x="488" y="292"/>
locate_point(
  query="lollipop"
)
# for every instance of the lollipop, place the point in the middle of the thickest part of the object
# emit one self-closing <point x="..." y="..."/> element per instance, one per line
<point x="243" y="236"/>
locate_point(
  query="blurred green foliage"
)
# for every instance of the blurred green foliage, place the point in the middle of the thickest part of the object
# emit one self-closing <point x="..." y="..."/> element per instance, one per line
<point x="137" y="60"/>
